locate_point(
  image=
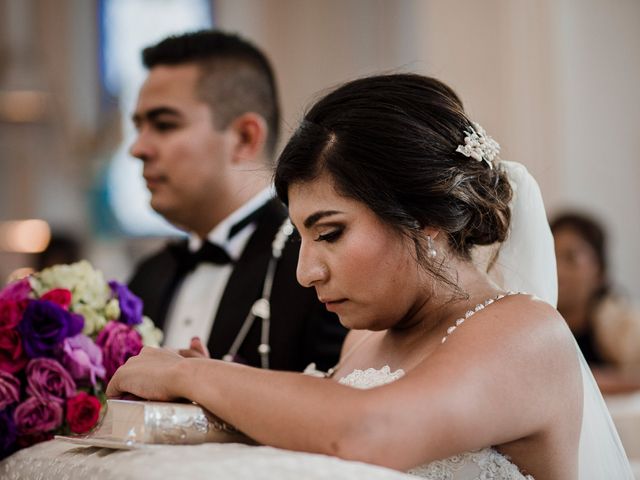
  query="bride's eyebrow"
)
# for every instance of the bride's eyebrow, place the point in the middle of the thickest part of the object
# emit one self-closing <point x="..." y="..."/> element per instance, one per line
<point x="312" y="219"/>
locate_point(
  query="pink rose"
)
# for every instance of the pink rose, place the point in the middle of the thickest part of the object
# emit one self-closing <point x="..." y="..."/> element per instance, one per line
<point x="82" y="358"/>
<point x="47" y="380"/>
<point x="11" y="312"/>
<point x="118" y="342"/>
<point x="34" y="416"/>
<point x="83" y="412"/>
<point x="9" y="390"/>
<point x="60" y="296"/>
<point x="12" y="356"/>
<point x="16" y="291"/>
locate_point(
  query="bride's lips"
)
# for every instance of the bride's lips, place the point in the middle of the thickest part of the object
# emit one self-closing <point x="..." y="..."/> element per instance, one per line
<point x="333" y="304"/>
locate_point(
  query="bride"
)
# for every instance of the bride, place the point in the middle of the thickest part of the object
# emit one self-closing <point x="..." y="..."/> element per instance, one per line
<point x="391" y="188"/>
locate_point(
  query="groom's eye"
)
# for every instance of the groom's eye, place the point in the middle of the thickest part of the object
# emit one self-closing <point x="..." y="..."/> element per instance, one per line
<point x="164" y="126"/>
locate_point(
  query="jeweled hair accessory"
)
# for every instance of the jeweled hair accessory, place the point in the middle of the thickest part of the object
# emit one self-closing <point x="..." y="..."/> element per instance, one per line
<point x="479" y="146"/>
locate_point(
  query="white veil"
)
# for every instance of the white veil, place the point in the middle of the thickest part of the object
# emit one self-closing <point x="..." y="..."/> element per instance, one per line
<point x="526" y="262"/>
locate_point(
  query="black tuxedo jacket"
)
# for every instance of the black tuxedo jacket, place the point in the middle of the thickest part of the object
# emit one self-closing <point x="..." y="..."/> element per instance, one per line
<point x="301" y="330"/>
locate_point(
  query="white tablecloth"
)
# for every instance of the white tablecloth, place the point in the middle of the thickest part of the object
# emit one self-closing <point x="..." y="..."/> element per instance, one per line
<point x="57" y="460"/>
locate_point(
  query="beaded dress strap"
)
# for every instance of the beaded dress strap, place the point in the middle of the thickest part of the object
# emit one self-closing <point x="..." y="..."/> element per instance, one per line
<point x="351" y="351"/>
<point x="476" y="309"/>
<point x="311" y="369"/>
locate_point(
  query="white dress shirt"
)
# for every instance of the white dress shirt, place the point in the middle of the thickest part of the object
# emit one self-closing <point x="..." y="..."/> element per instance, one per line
<point x="195" y="303"/>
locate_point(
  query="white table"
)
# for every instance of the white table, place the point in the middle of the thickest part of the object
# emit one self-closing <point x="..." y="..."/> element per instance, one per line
<point x="60" y="460"/>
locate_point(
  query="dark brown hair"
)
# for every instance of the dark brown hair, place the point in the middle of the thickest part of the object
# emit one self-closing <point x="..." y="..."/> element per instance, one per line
<point x="390" y="142"/>
<point x="236" y="77"/>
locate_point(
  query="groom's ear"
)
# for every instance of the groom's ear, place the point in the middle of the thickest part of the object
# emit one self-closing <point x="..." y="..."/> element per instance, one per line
<point x="251" y="134"/>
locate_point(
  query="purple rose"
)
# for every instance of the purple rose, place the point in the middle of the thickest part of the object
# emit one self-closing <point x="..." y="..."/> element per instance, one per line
<point x="45" y="325"/>
<point x="34" y="416"/>
<point x="8" y="433"/>
<point x="16" y="291"/>
<point x="82" y="358"/>
<point x="47" y="380"/>
<point x="118" y="342"/>
<point x="130" y="304"/>
<point x="9" y="390"/>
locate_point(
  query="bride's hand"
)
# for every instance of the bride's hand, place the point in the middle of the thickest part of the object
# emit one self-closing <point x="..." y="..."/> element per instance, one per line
<point x="150" y="375"/>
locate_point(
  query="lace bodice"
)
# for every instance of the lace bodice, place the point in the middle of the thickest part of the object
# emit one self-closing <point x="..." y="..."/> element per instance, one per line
<point x="485" y="464"/>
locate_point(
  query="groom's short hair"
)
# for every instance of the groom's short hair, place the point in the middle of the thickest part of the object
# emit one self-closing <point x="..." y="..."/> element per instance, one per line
<point x="236" y="77"/>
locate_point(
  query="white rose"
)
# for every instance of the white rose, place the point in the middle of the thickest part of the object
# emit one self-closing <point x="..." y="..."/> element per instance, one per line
<point x="93" y="320"/>
<point x="112" y="310"/>
<point x="151" y="336"/>
<point x="90" y="288"/>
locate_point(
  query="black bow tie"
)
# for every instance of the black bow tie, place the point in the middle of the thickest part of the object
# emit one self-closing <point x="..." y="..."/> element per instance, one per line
<point x="208" y="253"/>
<point x="186" y="261"/>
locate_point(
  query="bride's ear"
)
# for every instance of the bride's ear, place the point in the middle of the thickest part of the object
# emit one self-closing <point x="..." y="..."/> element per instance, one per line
<point x="431" y="248"/>
<point x="431" y="232"/>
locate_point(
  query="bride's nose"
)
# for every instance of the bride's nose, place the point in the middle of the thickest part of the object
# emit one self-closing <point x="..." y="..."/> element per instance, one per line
<point x="311" y="269"/>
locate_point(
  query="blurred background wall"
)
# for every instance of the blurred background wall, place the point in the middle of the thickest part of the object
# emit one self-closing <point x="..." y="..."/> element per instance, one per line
<point x="556" y="82"/>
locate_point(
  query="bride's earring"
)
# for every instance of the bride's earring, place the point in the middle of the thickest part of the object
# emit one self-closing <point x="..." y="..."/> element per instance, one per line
<point x="431" y="251"/>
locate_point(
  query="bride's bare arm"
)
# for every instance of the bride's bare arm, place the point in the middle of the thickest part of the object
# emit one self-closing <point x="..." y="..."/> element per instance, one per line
<point x="482" y="388"/>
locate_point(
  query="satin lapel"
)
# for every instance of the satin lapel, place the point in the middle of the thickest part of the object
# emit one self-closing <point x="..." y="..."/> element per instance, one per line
<point x="154" y="283"/>
<point x="245" y="283"/>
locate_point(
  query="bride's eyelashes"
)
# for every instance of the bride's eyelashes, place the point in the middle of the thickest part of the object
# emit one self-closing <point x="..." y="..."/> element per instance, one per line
<point x="330" y="236"/>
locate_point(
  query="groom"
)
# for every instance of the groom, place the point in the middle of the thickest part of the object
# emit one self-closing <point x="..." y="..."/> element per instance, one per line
<point x="207" y="119"/>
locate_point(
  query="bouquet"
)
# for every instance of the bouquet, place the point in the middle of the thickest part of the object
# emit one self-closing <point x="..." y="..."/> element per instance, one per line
<point x="63" y="333"/>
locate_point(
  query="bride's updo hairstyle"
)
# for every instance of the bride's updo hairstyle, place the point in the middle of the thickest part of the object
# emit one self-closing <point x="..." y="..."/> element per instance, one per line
<point x="390" y="142"/>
